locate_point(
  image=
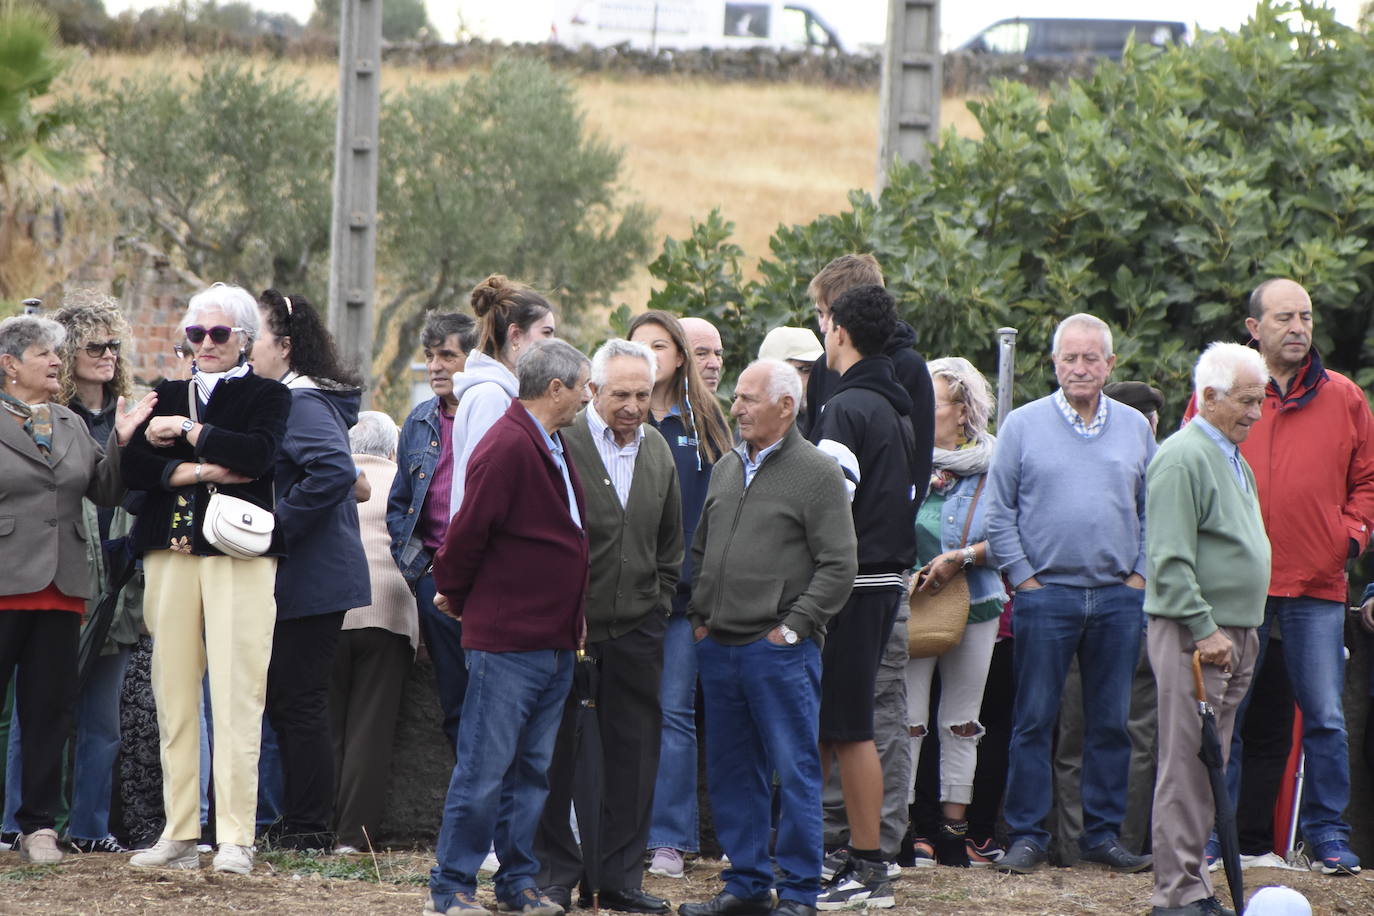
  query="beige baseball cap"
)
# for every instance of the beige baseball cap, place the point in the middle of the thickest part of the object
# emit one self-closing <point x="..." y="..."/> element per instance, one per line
<point x="791" y="343"/>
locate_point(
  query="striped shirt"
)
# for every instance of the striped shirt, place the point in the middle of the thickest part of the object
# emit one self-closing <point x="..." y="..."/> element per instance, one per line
<point x="619" y="460"/>
<point x="1086" y="430"/>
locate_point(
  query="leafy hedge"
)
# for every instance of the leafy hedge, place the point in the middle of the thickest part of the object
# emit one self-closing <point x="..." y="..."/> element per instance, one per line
<point x="1155" y="194"/>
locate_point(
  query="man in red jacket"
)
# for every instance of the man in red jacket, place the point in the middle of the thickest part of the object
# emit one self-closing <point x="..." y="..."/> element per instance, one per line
<point x="1313" y="456"/>
<point x="513" y="568"/>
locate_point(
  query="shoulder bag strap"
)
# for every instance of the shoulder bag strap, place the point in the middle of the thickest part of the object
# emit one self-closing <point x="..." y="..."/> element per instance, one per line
<point x="963" y="541"/>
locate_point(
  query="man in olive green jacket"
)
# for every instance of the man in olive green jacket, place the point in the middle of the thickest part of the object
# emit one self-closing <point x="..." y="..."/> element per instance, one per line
<point x="1208" y="562"/>
<point x="634" y="533"/>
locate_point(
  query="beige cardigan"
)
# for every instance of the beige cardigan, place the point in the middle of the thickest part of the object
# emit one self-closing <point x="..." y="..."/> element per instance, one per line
<point x="393" y="606"/>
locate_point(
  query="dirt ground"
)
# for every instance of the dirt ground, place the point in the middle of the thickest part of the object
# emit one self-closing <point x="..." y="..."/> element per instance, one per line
<point x="101" y="884"/>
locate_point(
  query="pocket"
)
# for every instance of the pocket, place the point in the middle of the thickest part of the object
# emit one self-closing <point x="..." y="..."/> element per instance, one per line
<point x="6" y="525"/>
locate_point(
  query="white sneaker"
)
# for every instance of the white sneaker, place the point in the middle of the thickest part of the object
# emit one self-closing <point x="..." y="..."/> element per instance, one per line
<point x="490" y="864"/>
<point x="1268" y="860"/>
<point x="235" y="859"/>
<point x="666" y="863"/>
<point x="345" y="850"/>
<point x="893" y="869"/>
<point x="168" y="854"/>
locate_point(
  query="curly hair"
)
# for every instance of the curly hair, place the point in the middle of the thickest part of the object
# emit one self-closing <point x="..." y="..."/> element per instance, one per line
<point x="313" y="352"/>
<point x="89" y="315"/>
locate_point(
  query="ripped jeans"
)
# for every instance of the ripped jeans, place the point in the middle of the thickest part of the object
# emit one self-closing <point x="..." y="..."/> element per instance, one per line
<point x="963" y="675"/>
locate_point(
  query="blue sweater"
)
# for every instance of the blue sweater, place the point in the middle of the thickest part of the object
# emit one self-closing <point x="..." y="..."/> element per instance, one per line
<point x="1065" y="509"/>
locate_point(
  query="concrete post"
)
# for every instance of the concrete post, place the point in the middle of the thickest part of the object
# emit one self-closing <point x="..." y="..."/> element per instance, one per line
<point x="912" y="84"/>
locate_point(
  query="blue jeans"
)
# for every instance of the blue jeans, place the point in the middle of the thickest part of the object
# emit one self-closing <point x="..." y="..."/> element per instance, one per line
<point x="1051" y="624"/>
<point x="1313" y="647"/>
<point x="444" y="639"/>
<point x="673" y="822"/>
<point x="763" y="718"/>
<point x="97" y="745"/>
<point x="271" y="782"/>
<point x="506" y="735"/>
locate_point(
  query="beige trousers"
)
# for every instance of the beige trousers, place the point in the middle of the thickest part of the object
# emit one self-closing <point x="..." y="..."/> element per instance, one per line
<point x="1184" y="812"/>
<point x="217" y="611"/>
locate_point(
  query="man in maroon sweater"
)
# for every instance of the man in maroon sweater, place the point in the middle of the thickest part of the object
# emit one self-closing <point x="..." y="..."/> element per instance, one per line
<point x="513" y="568"/>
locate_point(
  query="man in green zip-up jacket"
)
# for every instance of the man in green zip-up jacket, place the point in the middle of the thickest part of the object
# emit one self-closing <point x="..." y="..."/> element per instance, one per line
<point x="774" y="559"/>
<point x="1207" y="577"/>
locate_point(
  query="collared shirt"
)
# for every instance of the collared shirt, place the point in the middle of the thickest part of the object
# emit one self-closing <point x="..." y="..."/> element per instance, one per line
<point x="751" y="465"/>
<point x="555" y="447"/>
<point x="1086" y="430"/>
<point x="619" y="460"/>
<point x="1228" y="448"/>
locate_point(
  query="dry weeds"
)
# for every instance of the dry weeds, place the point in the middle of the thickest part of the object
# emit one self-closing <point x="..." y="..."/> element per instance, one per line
<point x="101" y="884"/>
<point x="765" y="154"/>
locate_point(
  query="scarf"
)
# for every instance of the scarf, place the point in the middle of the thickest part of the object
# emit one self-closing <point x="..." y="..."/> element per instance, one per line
<point x="203" y="383"/>
<point x="968" y="460"/>
<point x="37" y="420"/>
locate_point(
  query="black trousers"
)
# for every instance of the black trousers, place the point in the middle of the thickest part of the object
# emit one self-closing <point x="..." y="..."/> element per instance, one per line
<point x="370" y="669"/>
<point x="43" y="646"/>
<point x="630" y="718"/>
<point x="298" y="708"/>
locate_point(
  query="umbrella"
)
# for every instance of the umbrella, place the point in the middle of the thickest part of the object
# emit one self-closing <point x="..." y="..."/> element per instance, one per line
<point x="120" y="571"/>
<point x="1210" y="754"/>
<point x="588" y="791"/>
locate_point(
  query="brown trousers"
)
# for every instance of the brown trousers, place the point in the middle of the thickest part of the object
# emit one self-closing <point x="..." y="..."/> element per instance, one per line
<point x="1184" y="812"/>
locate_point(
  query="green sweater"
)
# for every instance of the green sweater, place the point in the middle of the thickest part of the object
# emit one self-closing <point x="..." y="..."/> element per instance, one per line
<point x="636" y="549"/>
<point x="782" y="551"/>
<point x="1206" y="553"/>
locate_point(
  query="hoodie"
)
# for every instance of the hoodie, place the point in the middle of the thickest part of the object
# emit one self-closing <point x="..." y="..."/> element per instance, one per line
<point x="325" y="568"/>
<point x="484" y="391"/>
<point x="912" y="374"/>
<point x="866" y="427"/>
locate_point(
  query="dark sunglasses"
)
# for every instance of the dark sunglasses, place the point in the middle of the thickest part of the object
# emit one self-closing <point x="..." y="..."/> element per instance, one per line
<point x="218" y="334"/>
<point x="96" y="349"/>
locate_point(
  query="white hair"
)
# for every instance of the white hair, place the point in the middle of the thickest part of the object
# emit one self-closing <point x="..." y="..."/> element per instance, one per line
<point x="967" y="385"/>
<point x="783" y="380"/>
<point x="619" y="347"/>
<point x="234" y="301"/>
<point x="1220" y="364"/>
<point x="375" y="433"/>
<point x="1084" y="320"/>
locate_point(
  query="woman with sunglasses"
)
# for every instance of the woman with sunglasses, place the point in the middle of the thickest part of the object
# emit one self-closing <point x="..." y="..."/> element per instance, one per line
<point x="324" y="574"/>
<point x="93" y="381"/>
<point x="690" y="418"/>
<point x="48" y="463"/>
<point x="222" y="428"/>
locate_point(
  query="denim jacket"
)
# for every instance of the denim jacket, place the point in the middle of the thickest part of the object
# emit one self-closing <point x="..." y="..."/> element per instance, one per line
<point x="417" y="454"/>
<point x="984" y="582"/>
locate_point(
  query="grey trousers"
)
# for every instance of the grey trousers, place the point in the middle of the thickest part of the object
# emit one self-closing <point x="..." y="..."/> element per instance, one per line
<point x="1066" y="817"/>
<point x="1183" y="807"/>
<point x="894" y="750"/>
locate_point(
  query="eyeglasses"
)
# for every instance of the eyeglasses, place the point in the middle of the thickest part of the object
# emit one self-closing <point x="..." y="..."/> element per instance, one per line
<point x="218" y="334"/>
<point x="181" y="350"/>
<point x="96" y="349"/>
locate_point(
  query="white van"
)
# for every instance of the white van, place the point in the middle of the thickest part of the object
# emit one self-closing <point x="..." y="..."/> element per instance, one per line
<point x="689" y="24"/>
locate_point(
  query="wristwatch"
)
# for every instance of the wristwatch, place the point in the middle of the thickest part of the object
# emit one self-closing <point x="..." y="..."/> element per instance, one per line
<point x="789" y="635"/>
<point x="970" y="555"/>
<point x="186" y="427"/>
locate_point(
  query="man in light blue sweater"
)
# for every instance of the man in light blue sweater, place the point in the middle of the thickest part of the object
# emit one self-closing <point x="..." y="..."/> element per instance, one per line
<point x="1066" y="517"/>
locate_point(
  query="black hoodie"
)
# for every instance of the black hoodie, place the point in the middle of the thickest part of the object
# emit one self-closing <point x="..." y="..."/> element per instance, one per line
<point x="866" y="427"/>
<point x="914" y="377"/>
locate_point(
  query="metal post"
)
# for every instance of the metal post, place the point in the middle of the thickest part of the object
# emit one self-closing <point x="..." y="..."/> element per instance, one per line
<point x="1006" y="370"/>
<point x="353" y="234"/>
<point x="912" y="84"/>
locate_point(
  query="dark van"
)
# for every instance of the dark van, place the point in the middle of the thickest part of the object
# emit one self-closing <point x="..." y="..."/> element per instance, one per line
<point x="1041" y="39"/>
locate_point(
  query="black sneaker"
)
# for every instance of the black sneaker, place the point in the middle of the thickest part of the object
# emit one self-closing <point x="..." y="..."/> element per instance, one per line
<point x="1113" y="855"/>
<point x="104" y="844"/>
<point x="835" y="863"/>
<point x="864" y="886"/>
<point x="9" y="840"/>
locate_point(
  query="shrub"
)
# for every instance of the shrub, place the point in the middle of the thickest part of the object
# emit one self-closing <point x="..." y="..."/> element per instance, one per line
<point x="1156" y="195"/>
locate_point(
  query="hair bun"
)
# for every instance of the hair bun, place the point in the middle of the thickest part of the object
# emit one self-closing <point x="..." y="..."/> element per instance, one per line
<point x="488" y="294"/>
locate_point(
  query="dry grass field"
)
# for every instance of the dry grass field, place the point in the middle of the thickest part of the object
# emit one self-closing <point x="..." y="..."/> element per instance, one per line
<point x="765" y="154"/>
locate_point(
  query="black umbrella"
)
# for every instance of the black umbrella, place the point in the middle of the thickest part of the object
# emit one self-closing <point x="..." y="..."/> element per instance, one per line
<point x="1210" y="754"/>
<point x="588" y="779"/>
<point x="120" y="570"/>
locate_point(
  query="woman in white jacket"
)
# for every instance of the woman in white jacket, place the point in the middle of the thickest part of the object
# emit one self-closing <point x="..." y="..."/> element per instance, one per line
<point x="510" y="317"/>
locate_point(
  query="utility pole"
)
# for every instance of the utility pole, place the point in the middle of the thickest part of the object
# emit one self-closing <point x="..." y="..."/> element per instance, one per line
<point x="912" y="84"/>
<point x="353" y="232"/>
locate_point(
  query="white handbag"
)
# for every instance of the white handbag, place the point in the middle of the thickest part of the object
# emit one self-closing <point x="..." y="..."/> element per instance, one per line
<point x="236" y="527"/>
<point x="233" y="526"/>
